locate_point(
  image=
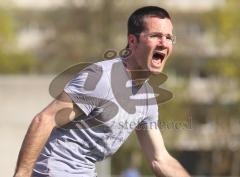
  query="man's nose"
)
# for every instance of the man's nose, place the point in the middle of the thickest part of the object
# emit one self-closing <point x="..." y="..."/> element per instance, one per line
<point x="163" y="41"/>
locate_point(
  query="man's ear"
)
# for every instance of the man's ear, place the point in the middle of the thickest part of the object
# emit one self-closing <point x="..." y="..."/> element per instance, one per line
<point x="132" y="40"/>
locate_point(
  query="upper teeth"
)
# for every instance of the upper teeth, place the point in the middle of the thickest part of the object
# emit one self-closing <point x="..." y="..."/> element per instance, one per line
<point x="158" y="53"/>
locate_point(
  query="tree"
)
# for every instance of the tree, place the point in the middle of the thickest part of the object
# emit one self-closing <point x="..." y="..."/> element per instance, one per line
<point x="12" y="60"/>
<point x="224" y="26"/>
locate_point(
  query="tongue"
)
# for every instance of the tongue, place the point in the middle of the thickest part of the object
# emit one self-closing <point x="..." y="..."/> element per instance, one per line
<point x="156" y="61"/>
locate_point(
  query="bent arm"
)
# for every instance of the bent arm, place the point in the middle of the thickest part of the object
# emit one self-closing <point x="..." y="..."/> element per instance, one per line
<point x="59" y="112"/>
<point x="161" y="162"/>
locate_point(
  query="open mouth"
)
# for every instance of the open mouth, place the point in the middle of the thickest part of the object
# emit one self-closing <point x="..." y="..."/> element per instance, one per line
<point x="158" y="57"/>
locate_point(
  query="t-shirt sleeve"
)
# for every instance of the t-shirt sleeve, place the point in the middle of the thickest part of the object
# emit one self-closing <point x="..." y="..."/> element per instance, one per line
<point x="88" y="89"/>
<point x="151" y="118"/>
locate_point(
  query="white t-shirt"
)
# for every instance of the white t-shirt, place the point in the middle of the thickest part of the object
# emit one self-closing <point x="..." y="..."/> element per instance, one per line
<point x="113" y="108"/>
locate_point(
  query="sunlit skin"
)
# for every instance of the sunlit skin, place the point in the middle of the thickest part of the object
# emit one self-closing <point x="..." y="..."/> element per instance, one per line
<point x="144" y="47"/>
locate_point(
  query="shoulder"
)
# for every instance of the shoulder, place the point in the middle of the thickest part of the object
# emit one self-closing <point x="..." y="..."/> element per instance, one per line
<point x="107" y="65"/>
<point x="101" y="67"/>
<point x="96" y="76"/>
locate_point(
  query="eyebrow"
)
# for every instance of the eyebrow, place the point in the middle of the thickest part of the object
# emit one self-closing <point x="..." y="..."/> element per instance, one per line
<point x="160" y="33"/>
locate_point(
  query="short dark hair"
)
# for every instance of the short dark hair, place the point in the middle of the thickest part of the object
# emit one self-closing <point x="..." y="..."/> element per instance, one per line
<point x="136" y="19"/>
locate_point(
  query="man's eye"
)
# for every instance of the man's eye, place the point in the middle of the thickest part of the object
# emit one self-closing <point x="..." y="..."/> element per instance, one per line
<point x="169" y="37"/>
<point x="154" y="36"/>
<point x="157" y="36"/>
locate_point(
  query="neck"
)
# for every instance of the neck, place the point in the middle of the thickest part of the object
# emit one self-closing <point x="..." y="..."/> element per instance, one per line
<point x="138" y="74"/>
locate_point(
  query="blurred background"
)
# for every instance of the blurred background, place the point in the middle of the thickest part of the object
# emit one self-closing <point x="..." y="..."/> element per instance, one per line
<point x="200" y="125"/>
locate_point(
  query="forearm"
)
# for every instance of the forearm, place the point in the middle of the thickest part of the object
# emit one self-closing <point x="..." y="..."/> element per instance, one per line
<point x="169" y="168"/>
<point x="33" y="143"/>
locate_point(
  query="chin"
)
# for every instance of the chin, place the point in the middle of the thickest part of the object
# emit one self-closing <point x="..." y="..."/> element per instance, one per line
<point x="156" y="71"/>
